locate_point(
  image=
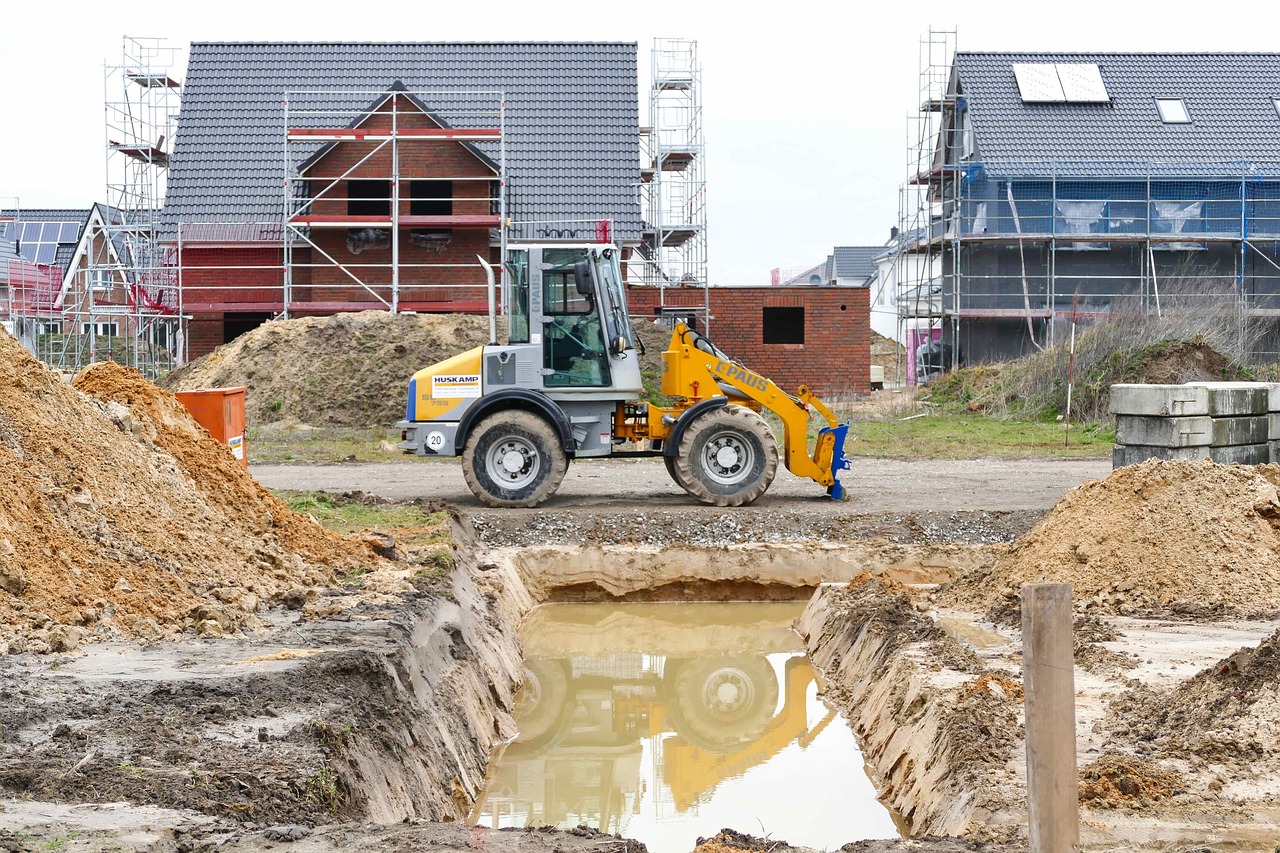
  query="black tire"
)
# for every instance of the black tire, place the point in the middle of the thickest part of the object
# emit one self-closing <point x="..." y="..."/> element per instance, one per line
<point x="723" y="703"/>
<point x="727" y="457"/>
<point x="670" y="462"/>
<point x="513" y="458"/>
<point x="541" y="705"/>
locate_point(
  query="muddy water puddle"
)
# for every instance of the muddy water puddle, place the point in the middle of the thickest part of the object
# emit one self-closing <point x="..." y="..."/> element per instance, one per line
<point x="666" y="722"/>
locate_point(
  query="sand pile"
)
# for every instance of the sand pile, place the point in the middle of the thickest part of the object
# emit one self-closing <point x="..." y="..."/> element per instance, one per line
<point x="1191" y="536"/>
<point x="348" y="370"/>
<point x="1230" y="710"/>
<point x="120" y="515"/>
<point x="345" y="370"/>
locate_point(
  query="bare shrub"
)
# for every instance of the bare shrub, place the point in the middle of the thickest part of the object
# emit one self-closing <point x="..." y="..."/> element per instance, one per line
<point x="1133" y="343"/>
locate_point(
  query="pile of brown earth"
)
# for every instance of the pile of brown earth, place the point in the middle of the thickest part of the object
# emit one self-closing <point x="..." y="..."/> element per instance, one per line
<point x="1191" y="537"/>
<point x="347" y="370"/>
<point x="889" y="354"/>
<point x="1227" y="712"/>
<point x="120" y="516"/>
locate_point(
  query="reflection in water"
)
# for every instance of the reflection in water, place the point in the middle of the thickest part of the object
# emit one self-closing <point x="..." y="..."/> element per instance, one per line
<point x="663" y="722"/>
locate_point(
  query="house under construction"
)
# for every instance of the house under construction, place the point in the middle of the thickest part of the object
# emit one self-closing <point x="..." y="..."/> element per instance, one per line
<point x="1049" y="187"/>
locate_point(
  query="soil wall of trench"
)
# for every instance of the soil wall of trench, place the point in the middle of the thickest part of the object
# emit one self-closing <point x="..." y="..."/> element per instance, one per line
<point x="476" y="639"/>
<point x="449" y="690"/>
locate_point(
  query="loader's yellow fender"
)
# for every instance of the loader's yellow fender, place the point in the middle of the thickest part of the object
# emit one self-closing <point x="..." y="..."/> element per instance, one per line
<point x="443" y="390"/>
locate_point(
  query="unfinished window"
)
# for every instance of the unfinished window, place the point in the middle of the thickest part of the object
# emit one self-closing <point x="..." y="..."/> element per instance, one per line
<point x="1173" y="111"/>
<point x="783" y="325"/>
<point x="431" y="198"/>
<point x="368" y="198"/>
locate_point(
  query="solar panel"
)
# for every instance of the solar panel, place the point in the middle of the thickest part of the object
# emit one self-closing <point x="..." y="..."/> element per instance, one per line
<point x="38" y="241"/>
<point x="1038" y="82"/>
<point x="1082" y="83"/>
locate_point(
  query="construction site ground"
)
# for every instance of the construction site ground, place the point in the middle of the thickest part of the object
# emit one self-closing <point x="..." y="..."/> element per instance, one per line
<point x="188" y="662"/>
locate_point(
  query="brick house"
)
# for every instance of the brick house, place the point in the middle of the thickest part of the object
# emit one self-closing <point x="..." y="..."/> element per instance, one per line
<point x="398" y="163"/>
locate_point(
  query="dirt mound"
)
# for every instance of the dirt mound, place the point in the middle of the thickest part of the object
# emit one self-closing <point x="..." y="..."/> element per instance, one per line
<point x="120" y="515"/>
<point x="345" y="370"/>
<point x="1229" y="710"/>
<point x="1121" y="781"/>
<point x="1160" y="535"/>
<point x="889" y="354"/>
<point x="1177" y="362"/>
<point x="351" y="370"/>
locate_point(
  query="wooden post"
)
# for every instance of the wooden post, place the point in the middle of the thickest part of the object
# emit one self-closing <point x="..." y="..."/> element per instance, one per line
<point x="1048" y="675"/>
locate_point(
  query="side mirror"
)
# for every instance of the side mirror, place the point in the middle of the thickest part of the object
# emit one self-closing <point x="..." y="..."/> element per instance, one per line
<point x="619" y="345"/>
<point x="582" y="278"/>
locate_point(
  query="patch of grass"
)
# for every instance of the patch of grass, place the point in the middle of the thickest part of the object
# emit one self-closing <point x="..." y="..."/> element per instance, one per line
<point x="274" y="444"/>
<point x="972" y="436"/>
<point x="323" y="790"/>
<point x="423" y="523"/>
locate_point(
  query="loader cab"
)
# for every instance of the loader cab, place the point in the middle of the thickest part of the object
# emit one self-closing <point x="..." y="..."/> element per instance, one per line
<point x="568" y="304"/>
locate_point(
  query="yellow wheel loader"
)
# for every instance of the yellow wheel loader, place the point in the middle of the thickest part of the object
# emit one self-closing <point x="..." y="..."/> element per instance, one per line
<point x="566" y="386"/>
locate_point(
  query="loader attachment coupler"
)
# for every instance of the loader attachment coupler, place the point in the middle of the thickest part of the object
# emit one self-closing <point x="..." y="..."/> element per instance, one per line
<point x="838" y="461"/>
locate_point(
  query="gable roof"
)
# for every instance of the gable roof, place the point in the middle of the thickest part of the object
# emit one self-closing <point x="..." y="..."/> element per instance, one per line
<point x="856" y="262"/>
<point x="365" y="115"/>
<point x="1229" y="97"/>
<point x="572" y="121"/>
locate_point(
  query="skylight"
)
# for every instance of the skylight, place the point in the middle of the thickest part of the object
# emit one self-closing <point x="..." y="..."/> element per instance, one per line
<point x="1060" y="82"/>
<point x="1173" y="111"/>
<point x="1275" y="102"/>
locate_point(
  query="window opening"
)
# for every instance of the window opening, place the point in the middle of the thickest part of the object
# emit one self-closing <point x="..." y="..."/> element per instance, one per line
<point x="368" y="198"/>
<point x="783" y="325"/>
<point x="431" y="198"/>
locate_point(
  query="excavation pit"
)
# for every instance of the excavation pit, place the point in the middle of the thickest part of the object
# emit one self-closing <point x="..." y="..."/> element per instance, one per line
<point x="665" y="722"/>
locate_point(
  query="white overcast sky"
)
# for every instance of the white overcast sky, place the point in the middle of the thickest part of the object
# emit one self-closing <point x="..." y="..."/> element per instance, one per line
<point x="805" y="103"/>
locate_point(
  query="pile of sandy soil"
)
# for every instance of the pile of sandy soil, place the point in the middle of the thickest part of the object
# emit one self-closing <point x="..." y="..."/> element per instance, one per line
<point x="1122" y="781"/>
<point x="1228" y="711"/>
<point x="1194" y="537"/>
<point x="347" y="370"/>
<point x="119" y="515"/>
<point x="888" y="353"/>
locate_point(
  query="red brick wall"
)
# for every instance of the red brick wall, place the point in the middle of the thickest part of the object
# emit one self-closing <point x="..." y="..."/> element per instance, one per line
<point x="419" y="159"/>
<point x="835" y="357"/>
<point x="204" y="335"/>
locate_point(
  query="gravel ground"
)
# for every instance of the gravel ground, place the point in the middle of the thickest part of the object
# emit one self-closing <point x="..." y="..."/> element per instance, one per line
<point x="875" y="485"/>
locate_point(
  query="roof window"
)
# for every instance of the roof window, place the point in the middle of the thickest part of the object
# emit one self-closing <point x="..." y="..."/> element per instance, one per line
<point x="1275" y="102"/>
<point x="1173" y="111"/>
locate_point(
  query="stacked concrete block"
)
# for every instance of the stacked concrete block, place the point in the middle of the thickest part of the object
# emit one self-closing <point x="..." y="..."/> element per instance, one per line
<point x="1223" y="421"/>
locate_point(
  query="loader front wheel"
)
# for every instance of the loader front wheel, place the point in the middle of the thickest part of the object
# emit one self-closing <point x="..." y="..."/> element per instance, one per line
<point x="728" y="457"/>
<point x="512" y="459"/>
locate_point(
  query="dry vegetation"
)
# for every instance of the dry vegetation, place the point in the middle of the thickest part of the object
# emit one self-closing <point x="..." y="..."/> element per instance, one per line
<point x="1191" y="339"/>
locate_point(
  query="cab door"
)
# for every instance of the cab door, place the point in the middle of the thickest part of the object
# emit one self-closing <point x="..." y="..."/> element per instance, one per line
<point x="573" y="341"/>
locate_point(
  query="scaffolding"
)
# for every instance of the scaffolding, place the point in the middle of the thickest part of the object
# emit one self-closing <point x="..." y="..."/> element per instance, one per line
<point x="996" y="257"/>
<point x="389" y="196"/>
<point x="673" y="254"/>
<point x="117" y="299"/>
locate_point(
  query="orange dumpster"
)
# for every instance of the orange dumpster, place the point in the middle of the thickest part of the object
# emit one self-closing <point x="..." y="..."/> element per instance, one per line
<point x="221" y="412"/>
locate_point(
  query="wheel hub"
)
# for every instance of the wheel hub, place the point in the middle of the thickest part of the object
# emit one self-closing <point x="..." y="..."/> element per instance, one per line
<point x="727" y="691"/>
<point x="513" y="462"/>
<point x="727" y="458"/>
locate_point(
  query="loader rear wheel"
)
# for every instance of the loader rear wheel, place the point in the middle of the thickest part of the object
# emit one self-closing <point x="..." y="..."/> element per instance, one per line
<point x="728" y="457"/>
<point x="513" y="458"/>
